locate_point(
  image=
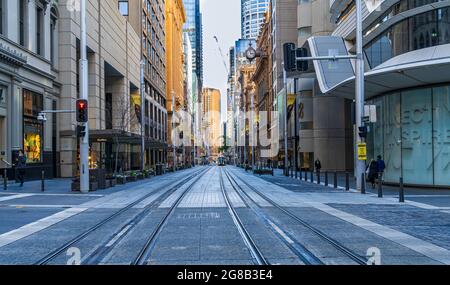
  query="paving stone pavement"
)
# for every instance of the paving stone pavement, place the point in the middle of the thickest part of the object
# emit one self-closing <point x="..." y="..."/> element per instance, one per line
<point x="201" y="229"/>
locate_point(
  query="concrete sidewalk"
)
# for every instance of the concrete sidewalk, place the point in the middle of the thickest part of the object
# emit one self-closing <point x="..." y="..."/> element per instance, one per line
<point x="435" y="198"/>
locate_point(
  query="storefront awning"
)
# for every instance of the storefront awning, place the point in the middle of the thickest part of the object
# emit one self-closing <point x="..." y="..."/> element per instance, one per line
<point x="123" y="137"/>
<point x="413" y="69"/>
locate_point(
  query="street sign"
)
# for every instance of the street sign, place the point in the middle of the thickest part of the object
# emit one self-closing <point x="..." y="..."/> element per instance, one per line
<point x="362" y="151"/>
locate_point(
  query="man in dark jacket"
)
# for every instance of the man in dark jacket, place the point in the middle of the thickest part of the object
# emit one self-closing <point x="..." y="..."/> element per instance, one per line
<point x="20" y="166"/>
<point x="318" y="165"/>
<point x="381" y="166"/>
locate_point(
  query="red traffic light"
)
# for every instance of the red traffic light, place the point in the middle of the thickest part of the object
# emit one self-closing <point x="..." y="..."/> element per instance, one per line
<point x="82" y="111"/>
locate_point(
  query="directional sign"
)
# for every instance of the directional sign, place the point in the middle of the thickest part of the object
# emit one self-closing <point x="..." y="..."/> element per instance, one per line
<point x="362" y="151"/>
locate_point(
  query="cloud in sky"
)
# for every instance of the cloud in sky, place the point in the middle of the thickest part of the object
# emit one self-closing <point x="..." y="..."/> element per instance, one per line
<point x="221" y="18"/>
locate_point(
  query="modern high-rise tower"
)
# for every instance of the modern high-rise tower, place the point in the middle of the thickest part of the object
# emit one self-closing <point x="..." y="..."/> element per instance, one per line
<point x="194" y="28"/>
<point x="252" y="17"/>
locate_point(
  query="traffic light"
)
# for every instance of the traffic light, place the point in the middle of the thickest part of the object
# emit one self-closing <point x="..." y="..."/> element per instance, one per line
<point x="363" y="131"/>
<point x="289" y="56"/>
<point x="302" y="65"/>
<point x="82" y="111"/>
<point x="81" y="131"/>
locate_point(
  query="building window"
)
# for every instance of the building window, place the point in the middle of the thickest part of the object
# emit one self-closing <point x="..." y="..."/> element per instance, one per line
<point x="39" y="30"/>
<point x="53" y="35"/>
<point x="22" y="10"/>
<point x="32" y="128"/>
<point x="123" y="8"/>
<point x="1" y="17"/>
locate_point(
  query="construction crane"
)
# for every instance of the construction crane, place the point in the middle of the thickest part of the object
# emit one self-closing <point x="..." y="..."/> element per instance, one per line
<point x="222" y="55"/>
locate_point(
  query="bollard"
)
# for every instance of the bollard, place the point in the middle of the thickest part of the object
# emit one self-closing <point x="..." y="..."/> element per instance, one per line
<point x="312" y="176"/>
<point x="326" y="178"/>
<point x="296" y="172"/>
<point x="402" y="191"/>
<point x="301" y="174"/>
<point x="5" y="179"/>
<point x="43" y="181"/>
<point x="380" y="186"/>
<point x="335" y="180"/>
<point x="347" y="181"/>
<point x="318" y="177"/>
<point x="363" y="183"/>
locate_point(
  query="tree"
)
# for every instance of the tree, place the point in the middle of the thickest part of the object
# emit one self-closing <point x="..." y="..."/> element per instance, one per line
<point x="125" y="121"/>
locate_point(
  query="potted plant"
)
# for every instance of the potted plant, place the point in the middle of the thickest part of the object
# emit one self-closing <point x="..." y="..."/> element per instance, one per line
<point x="121" y="179"/>
<point x="75" y="184"/>
<point x="140" y="175"/>
<point x="112" y="180"/>
<point x="133" y="176"/>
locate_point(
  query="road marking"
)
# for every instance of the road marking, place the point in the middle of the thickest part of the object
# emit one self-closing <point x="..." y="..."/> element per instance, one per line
<point x="61" y="195"/>
<point x="29" y="229"/>
<point x="281" y="233"/>
<point x="13" y="197"/>
<point x="423" y="247"/>
<point x="38" y="206"/>
<point x="119" y="235"/>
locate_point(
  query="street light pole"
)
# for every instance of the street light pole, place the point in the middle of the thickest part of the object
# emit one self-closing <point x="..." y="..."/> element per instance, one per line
<point x="286" y="159"/>
<point x="84" y="145"/>
<point x="142" y="116"/>
<point x="252" y="131"/>
<point x="360" y="165"/>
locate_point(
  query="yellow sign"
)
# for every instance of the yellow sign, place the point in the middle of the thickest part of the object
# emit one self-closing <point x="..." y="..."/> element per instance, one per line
<point x="362" y="151"/>
<point x="291" y="99"/>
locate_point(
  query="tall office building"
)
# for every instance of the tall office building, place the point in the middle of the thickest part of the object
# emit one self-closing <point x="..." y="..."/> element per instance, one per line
<point x="148" y="19"/>
<point x="194" y="28"/>
<point x="252" y="17"/>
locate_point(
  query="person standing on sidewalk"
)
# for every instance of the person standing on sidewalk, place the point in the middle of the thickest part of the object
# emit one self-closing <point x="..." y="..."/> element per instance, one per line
<point x="20" y="166"/>
<point x="318" y="165"/>
<point x="381" y="166"/>
<point x="372" y="172"/>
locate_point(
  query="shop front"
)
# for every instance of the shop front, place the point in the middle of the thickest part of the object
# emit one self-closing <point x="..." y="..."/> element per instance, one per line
<point x="412" y="134"/>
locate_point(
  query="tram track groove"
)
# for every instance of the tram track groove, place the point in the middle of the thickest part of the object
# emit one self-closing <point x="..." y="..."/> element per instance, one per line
<point x="61" y="249"/>
<point x="256" y="253"/>
<point x="145" y="252"/>
<point x="336" y="244"/>
<point x="299" y="250"/>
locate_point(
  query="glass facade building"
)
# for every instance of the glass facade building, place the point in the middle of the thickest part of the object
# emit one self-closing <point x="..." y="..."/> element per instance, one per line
<point x="252" y="17"/>
<point x="194" y="28"/>
<point x="412" y="134"/>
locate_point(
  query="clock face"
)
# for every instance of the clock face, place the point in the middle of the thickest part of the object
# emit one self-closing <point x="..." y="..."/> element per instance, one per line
<point x="251" y="53"/>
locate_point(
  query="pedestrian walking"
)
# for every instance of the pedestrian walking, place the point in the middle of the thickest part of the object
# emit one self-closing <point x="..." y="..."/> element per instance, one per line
<point x="318" y="165"/>
<point x="21" y="164"/>
<point x="381" y="166"/>
<point x="372" y="172"/>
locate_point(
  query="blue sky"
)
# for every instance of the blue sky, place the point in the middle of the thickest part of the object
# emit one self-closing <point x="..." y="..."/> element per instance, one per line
<point x="221" y="18"/>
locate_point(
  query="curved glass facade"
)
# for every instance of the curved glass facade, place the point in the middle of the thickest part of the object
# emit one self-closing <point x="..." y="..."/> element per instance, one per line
<point x="423" y="30"/>
<point x="412" y="134"/>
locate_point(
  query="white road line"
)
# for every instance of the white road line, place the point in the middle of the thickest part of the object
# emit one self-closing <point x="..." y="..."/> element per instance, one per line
<point x="13" y="197"/>
<point x="280" y="232"/>
<point x="60" y="195"/>
<point x="423" y="247"/>
<point x="119" y="235"/>
<point x="39" y="206"/>
<point x="29" y="229"/>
